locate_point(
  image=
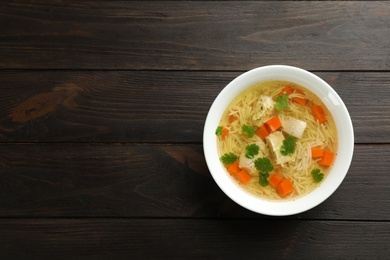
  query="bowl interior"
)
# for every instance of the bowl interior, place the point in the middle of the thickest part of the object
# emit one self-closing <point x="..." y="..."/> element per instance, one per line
<point x="344" y="131"/>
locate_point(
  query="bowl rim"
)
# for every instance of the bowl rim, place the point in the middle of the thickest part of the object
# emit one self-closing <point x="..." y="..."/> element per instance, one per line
<point x="344" y="130"/>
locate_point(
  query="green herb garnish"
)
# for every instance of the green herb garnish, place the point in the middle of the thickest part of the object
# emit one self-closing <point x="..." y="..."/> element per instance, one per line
<point x="251" y="150"/>
<point x="263" y="165"/>
<point x="263" y="179"/>
<point x="317" y="175"/>
<point x="281" y="102"/>
<point x="288" y="146"/>
<point x="249" y="130"/>
<point x="218" y="132"/>
<point x="228" y="158"/>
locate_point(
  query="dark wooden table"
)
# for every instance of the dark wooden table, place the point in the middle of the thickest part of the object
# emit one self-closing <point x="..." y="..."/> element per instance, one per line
<point x="102" y="108"/>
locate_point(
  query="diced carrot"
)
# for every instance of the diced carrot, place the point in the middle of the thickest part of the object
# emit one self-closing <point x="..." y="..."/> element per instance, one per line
<point x="318" y="113"/>
<point x="317" y="152"/>
<point x="327" y="158"/>
<point x="243" y="176"/>
<point x="232" y="118"/>
<point x="275" y="179"/>
<point x="285" y="187"/>
<point x="273" y="124"/>
<point x="225" y="133"/>
<point x="301" y="101"/>
<point x="233" y="168"/>
<point x="262" y="132"/>
<point x="287" y="90"/>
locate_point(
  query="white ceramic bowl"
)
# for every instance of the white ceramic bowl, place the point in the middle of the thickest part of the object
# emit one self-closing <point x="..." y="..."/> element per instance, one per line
<point x="344" y="130"/>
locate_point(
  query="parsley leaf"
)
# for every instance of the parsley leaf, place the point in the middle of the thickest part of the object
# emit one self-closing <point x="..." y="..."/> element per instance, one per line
<point x="228" y="158"/>
<point x="281" y="102"/>
<point x="218" y="132"/>
<point x="251" y="150"/>
<point x="263" y="179"/>
<point x="263" y="165"/>
<point x="317" y="175"/>
<point x="288" y="146"/>
<point x="249" y="130"/>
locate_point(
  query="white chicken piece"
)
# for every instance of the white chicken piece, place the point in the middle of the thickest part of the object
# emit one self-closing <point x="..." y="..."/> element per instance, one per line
<point x="249" y="164"/>
<point x="293" y="126"/>
<point x="275" y="142"/>
<point x="264" y="107"/>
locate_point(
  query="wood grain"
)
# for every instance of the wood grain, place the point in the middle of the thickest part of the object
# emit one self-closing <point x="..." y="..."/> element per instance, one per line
<point x="214" y="35"/>
<point x="58" y="180"/>
<point x="102" y="107"/>
<point x="152" y="106"/>
<point x="194" y="239"/>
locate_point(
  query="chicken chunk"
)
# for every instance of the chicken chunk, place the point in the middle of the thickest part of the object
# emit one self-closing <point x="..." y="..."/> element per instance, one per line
<point x="263" y="108"/>
<point x="293" y="126"/>
<point x="275" y="142"/>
